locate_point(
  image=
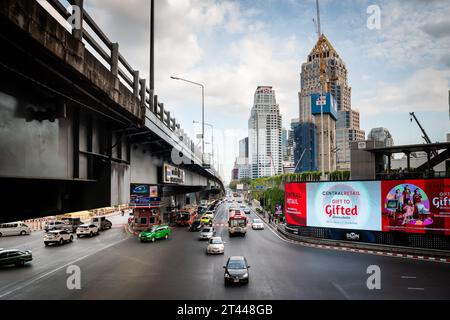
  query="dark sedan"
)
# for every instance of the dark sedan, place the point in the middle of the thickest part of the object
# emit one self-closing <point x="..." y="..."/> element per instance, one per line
<point x="236" y="270"/>
<point x="195" y="226"/>
<point x="14" y="256"/>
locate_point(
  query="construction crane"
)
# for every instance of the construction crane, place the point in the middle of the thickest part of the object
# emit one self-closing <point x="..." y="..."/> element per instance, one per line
<point x="425" y="136"/>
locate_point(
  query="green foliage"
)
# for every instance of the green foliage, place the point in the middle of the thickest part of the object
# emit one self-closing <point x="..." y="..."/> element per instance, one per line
<point x="274" y="193"/>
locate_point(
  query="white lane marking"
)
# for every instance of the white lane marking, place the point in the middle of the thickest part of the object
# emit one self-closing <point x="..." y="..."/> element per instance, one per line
<point x="341" y="290"/>
<point x="270" y="228"/>
<point x="59" y="268"/>
<point x="421" y="289"/>
<point x="408" y="277"/>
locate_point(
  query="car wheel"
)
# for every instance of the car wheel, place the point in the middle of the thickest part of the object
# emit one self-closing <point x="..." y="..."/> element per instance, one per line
<point x="19" y="263"/>
<point x="166" y="236"/>
<point x="71" y="239"/>
<point x="61" y="241"/>
<point x="46" y="244"/>
<point x="225" y="282"/>
<point x="0" y="234"/>
<point x="78" y="236"/>
<point x="91" y="234"/>
<point x="153" y="239"/>
<point x="22" y="233"/>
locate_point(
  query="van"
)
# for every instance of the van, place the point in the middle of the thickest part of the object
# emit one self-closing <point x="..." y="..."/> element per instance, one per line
<point x="56" y="225"/>
<point x="14" y="229"/>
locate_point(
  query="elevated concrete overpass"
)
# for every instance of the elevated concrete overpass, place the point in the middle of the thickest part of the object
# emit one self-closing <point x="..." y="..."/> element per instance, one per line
<point x="77" y="123"/>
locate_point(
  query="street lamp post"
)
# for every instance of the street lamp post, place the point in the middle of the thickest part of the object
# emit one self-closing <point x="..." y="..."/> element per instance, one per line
<point x="212" y="138"/>
<point x="203" y="110"/>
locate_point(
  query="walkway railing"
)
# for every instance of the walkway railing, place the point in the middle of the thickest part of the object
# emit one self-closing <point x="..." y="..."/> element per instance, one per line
<point x="102" y="47"/>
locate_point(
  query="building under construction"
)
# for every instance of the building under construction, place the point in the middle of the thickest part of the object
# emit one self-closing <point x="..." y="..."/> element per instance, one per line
<point x="325" y="72"/>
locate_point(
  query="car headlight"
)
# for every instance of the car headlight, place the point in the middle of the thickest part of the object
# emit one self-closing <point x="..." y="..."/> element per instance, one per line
<point x="245" y="275"/>
<point x="227" y="275"/>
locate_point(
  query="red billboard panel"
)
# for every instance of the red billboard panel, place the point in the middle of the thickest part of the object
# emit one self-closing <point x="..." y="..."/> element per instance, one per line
<point x="416" y="206"/>
<point x="295" y="203"/>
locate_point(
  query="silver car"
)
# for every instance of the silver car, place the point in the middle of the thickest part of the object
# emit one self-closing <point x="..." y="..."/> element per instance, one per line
<point x="207" y="233"/>
<point x="257" y="224"/>
<point x="215" y="246"/>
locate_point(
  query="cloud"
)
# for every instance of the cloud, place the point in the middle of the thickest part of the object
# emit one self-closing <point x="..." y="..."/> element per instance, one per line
<point x="425" y="90"/>
<point x="438" y="29"/>
<point x="409" y="34"/>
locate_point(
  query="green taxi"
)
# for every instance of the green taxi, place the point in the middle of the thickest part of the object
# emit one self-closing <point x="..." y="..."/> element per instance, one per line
<point x="155" y="233"/>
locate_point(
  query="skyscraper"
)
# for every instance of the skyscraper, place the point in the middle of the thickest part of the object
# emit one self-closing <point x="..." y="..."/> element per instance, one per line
<point x="264" y="126"/>
<point x="243" y="148"/>
<point x="341" y="124"/>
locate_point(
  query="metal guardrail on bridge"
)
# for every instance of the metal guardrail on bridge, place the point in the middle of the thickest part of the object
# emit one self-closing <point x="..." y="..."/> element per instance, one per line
<point x="108" y="51"/>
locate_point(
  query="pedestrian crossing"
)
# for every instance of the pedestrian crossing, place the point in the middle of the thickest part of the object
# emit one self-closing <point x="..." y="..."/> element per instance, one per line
<point x="216" y="225"/>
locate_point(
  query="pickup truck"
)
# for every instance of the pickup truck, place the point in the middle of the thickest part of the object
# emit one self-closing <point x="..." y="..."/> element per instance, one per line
<point x="102" y="223"/>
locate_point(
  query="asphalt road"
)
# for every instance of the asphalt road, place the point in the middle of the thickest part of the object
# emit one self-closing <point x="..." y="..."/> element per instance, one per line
<point x="116" y="265"/>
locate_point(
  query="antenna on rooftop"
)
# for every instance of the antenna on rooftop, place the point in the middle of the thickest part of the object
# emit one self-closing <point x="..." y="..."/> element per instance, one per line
<point x="319" y="31"/>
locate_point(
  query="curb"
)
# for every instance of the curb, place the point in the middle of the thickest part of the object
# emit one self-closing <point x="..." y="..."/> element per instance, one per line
<point x="388" y="251"/>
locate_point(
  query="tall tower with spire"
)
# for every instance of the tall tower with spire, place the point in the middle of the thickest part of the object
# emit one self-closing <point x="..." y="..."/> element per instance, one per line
<point x="338" y="132"/>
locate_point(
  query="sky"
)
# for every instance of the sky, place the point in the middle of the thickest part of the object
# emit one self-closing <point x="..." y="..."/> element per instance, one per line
<point x="234" y="46"/>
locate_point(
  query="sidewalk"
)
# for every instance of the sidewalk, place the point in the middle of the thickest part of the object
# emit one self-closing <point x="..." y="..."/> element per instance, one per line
<point x="265" y="218"/>
<point x="39" y="223"/>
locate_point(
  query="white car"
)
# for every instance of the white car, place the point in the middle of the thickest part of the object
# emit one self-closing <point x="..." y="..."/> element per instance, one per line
<point x="207" y="233"/>
<point x="14" y="229"/>
<point x="215" y="246"/>
<point x="257" y="224"/>
<point x="57" y="236"/>
<point x="87" y="230"/>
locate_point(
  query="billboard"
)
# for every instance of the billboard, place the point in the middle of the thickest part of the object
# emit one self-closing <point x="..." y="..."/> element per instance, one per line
<point x="144" y="195"/>
<point x="325" y="101"/>
<point x="414" y="206"/>
<point x="173" y="174"/>
<point x="344" y="205"/>
<point x="295" y="203"/>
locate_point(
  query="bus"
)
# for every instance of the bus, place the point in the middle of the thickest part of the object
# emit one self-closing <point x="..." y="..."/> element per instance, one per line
<point x="237" y="222"/>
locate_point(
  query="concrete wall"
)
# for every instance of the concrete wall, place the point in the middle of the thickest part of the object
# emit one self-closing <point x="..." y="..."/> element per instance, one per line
<point x="33" y="149"/>
<point x="363" y="163"/>
<point x="120" y="183"/>
<point x="144" y="167"/>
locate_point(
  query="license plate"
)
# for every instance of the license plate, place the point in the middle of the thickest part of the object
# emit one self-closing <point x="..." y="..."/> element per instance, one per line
<point x="236" y="280"/>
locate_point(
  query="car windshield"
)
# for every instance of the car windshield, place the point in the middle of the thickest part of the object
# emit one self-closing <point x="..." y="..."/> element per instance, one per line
<point x="236" y="264"/>
<point x="215" y="241"/>
<point x="152" y="229"/>
<point x="256" y="220"/>
<point x="206" y="230"/>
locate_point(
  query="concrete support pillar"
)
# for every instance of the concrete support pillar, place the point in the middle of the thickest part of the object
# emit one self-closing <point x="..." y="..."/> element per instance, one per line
<point x="168" y="119"/>
<point x="408" y="161"/>
<point x="115" y="63"/>
<point x="155" y="104"/>
<point x="161" y="111"/>
<point x="136" y="83"/>
<point x="78" y="32"/>
<point x="142" y="82"/>
<point x="389" y="163"/>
